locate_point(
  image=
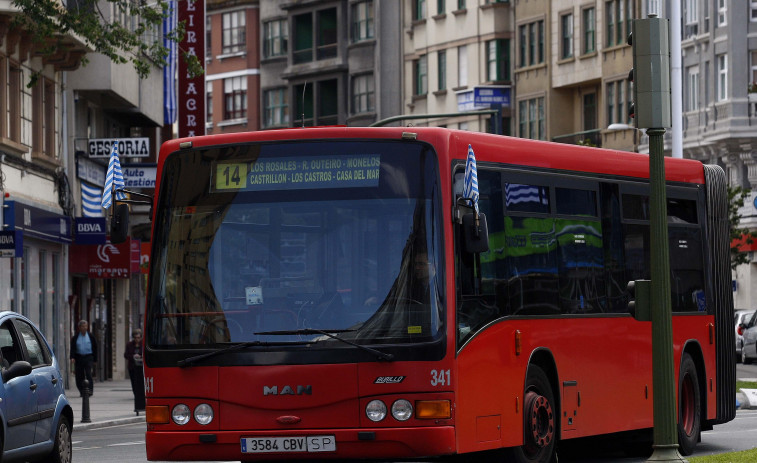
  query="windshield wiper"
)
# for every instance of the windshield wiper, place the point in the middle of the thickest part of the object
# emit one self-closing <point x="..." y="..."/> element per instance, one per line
<point x="381" y="355"/>
<point x="191" y="360"/>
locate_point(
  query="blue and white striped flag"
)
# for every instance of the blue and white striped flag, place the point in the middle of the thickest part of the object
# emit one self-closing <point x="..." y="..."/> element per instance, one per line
<point x="113" y="179"/>
<point x="470" y="182"/>
<point x="90" y="201"/>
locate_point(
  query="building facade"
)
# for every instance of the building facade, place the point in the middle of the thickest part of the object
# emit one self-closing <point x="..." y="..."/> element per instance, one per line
<point x="719" y="74"/>
<point x="329" y="62"/>
<point x="35" y="195"/>
<point x="232" y="66"/>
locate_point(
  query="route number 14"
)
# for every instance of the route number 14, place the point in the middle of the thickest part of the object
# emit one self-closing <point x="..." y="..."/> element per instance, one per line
<point x="440" y="378"/>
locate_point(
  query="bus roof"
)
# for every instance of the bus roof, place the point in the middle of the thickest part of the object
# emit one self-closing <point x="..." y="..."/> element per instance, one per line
<point x="487" y="147"/>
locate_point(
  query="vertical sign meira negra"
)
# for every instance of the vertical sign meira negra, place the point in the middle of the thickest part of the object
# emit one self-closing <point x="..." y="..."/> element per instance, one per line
<point x="191" y="102"/>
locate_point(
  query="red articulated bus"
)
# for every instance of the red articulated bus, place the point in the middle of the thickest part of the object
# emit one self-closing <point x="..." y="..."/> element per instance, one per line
<point x="330" y="293"/>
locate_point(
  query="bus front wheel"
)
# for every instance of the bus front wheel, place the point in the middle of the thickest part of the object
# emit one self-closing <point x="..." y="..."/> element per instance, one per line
<point x="539" y="420"/>
<point x="689" y="406"/>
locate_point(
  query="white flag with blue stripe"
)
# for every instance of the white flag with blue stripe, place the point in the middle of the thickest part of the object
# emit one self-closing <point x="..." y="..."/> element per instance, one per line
<point x="113" y="179"/>
<point x="470" y="182"/>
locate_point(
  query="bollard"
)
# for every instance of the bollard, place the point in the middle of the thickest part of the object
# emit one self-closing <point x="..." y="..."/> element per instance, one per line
<point x="85" y="403"/>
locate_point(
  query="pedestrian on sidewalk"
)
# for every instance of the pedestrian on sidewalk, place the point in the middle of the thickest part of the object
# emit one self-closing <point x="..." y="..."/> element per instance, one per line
<point x="133" y="355"/>
<point x="84" y="356"/>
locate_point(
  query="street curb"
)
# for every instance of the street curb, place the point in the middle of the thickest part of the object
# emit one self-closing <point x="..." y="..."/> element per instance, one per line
<point x="102" y="424"/>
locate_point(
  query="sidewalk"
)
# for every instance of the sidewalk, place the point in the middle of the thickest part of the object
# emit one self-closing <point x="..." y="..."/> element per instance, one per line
<point x="111" y="404"/>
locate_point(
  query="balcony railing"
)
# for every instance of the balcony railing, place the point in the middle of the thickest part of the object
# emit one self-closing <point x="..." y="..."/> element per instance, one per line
<point x="587" y="137"/>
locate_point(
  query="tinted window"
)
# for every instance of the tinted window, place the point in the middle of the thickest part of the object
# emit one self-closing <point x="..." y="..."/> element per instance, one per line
<point x="570" y="201"/>
<point x="9" y="349"/>
<point x="526" y="198"/>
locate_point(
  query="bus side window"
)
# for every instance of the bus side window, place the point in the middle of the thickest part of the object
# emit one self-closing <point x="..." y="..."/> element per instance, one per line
<point x="479" y="275"/>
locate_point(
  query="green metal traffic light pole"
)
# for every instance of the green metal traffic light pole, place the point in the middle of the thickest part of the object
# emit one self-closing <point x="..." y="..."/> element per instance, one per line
<point x="663" y="377"/>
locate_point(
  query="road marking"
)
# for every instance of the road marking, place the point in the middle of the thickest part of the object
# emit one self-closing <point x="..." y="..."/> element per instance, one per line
<point x="127" y="443"/>
<point x="85" y="448"/>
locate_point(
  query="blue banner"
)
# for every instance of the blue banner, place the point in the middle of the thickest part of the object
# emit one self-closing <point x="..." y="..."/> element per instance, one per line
<point x="11" y="244"/>
<point x="37" y="223"/>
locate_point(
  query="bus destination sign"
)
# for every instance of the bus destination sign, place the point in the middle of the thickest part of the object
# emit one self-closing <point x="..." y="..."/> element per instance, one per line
<point x="267" y="174"/>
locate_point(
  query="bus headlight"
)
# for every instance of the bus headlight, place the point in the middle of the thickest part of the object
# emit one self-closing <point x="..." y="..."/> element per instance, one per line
<point x="375" y="410"/>
<point x="180" y="414"/>
<point x="204" y="414"/>
<point x="402" y="410"/>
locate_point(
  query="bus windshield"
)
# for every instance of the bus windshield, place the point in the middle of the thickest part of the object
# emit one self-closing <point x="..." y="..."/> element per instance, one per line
<point x="271" y="242"/>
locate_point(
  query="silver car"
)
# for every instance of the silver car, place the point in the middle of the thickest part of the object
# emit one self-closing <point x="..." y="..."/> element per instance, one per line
<point x="740" y="317"/>
<point x="749" y="333"/>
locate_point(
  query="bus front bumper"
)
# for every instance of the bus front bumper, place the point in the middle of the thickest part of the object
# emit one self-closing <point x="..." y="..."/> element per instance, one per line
<point x="376" y="443"/>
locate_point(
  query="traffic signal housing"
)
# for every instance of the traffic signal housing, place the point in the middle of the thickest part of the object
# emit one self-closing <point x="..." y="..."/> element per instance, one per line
<point x="640" y="299"/>
<point x="650" y="40"/>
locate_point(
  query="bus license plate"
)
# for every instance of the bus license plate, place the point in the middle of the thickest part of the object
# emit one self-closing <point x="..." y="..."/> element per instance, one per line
<point x="288" y="444"/>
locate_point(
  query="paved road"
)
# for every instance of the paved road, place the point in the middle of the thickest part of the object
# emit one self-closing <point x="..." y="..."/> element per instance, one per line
<point x="126" y="443"/>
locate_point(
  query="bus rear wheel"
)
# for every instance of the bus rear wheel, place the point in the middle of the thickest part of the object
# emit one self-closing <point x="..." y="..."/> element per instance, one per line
<point x="689" y="406"/>
<point x="539" y="420"/>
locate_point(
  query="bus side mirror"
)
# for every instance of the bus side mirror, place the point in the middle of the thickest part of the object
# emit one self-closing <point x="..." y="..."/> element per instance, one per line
<point x="119" y="223"/>
<point x="475" y="233"/>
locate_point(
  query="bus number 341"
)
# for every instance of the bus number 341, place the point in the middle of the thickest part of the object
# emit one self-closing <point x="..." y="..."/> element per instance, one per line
<point x="440" y="378"/>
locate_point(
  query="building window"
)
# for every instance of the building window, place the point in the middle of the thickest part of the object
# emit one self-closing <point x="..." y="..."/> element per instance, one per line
<point x="590" y="111"/>
<point x="235" y="98"/>
<point x="690" y="18"/>
<point x="275" y="38"/>
<point x="589" y="28"/>
<point x="753" y="71"/>
<point x="722" y="12"/>
<point x="420" y="76"/>
<point x="692" y="94"/>
<point x="440" y="7"/>
<point x="317" y="104"/>
<point x="531" y="44"/>
<point x="27" y="106"/>
<point x="753" y="10"/>
<point x="618" y="16"/>
<point x="460" y="4"/>
<point x="462" y="66"/>
<point x="498" y="60"/>
<point x="208" y="47"/>
<point x="722" y="82"/>
<point x="363" y="100"/>
<point x="275" y="107"/>
<point x="531" y="119"/>
<point x="441" y="69"/>
<point x="419" y="9"/>
<point x="619" y="97"/>
<point x="234" y="31"/>
<point x="362" y="21"/>
<point x="323" y="33"/>
<point x="209" y="101"/>
<point x="566" y="36"/>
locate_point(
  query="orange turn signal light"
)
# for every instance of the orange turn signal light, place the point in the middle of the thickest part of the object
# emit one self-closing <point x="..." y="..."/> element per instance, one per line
<point x="433" y="409"/>
<point x="157" y="414"/>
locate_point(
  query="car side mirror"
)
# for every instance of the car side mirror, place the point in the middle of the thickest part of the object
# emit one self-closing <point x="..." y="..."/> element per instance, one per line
<point x="20" y="368"/>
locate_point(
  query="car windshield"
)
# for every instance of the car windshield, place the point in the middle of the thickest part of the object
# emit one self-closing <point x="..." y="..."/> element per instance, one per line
<point x="253" y="240"/>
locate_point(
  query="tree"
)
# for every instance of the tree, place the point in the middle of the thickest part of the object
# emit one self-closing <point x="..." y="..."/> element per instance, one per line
<point x="136" y="40"/>
<point x="736" y="197"/>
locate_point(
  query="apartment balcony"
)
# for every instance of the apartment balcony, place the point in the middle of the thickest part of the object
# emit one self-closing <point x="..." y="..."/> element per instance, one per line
<point x="586" y="138"/>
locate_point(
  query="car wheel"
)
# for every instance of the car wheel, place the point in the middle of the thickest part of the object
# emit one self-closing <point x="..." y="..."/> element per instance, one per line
<point x="540" y="420"/>
<point x="62" y="451"/>
<point x="689" y="406"/>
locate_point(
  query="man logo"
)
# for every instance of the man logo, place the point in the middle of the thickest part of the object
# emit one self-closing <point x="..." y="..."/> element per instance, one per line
<point x="288" y="390"/>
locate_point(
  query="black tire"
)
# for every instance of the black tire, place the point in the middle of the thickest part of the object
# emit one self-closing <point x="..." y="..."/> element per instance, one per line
<point x="540" y="421"/>
<point x="62" y="450"/>
<point x="689" y="406"/>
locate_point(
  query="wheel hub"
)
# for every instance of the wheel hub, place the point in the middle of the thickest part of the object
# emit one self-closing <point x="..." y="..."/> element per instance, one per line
<point x="540" y="420"/>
